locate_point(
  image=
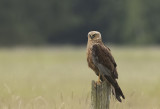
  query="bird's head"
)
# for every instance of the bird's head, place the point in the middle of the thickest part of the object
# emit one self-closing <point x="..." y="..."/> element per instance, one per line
<point x="94" y="35"/>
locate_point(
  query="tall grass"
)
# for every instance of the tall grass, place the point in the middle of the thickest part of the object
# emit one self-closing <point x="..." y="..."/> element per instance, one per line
<point x="59" y="78"/>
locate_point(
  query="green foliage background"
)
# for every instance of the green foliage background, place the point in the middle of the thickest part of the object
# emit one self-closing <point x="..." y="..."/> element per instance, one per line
<point x="37" y="22"/>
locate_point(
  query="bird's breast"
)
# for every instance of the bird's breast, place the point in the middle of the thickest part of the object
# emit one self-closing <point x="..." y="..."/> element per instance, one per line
<point x="90" y="61"/>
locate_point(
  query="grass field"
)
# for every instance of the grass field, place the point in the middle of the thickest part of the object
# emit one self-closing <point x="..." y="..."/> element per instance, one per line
<point x="59" y="78"/>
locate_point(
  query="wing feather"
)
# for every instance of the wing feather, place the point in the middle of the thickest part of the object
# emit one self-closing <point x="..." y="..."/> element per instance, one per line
<point x="106" y="65"/>
<point x="103" y="59"/>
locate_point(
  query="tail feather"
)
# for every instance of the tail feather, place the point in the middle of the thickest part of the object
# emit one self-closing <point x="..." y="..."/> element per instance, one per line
<point x="117" y="92"/>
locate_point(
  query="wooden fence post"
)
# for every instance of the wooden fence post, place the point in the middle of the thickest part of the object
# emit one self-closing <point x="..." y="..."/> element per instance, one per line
<point x="100" y="95"/>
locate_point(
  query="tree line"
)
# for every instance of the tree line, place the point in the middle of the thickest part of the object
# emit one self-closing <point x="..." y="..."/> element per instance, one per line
<point x="38" y="22"/>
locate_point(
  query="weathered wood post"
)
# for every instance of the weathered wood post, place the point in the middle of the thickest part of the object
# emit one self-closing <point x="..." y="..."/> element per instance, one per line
<point x="100" y="95"/>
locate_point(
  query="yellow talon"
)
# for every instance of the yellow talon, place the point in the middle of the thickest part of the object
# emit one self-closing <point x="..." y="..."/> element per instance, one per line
<point x="99" y="81"/>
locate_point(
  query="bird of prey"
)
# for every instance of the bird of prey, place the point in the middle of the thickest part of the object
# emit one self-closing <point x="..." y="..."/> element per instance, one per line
<point x="101" y="61"/>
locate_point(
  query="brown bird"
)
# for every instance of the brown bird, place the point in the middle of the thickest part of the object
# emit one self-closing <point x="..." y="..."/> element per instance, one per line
<point x="101" y="61"/>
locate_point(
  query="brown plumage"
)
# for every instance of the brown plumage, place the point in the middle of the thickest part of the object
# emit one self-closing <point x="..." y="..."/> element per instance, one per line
<point x="101" y="61"/>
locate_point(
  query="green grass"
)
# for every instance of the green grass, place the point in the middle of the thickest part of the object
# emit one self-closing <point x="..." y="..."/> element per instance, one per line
<point x="59" y="78"/>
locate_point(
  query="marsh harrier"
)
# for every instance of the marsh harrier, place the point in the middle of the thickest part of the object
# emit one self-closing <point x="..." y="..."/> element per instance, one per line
<point x="101" y="61"/>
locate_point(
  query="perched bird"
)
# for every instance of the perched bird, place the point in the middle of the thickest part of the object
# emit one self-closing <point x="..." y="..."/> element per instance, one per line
<point x="101" y="61"/>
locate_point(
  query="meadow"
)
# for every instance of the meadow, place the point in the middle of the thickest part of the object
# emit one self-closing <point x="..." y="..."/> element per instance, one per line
<point x="59" y="78"/>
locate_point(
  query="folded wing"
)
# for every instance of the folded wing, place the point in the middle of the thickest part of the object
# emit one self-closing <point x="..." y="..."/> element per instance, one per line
<point x="104" y="61"/>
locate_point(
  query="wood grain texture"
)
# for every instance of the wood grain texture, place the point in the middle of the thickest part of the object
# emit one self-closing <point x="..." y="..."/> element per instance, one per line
<point x="100" y="95"/>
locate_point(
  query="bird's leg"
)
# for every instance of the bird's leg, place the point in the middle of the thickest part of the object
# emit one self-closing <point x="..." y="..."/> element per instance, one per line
<point x="99" y="81"/>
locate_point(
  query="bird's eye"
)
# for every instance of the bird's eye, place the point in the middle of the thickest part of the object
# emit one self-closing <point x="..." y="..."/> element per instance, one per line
<point x="93" y="35"/>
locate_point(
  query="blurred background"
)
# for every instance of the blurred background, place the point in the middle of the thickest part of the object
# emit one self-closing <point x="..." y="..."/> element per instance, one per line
<point x="39" y="22"/>
<point x="43" y="52"/>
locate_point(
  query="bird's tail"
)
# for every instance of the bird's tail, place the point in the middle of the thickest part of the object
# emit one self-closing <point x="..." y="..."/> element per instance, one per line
<point x="116" y="90"/>
<point x="118" y="93"/>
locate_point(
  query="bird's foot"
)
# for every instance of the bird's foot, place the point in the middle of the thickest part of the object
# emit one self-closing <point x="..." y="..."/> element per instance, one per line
<point x="98" y="82"/>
